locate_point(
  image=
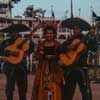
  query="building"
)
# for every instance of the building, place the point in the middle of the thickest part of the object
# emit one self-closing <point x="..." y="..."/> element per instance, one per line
<point x="5" y="8"/>
<point x="5" y="11"/>
<point x="7" y="19"/>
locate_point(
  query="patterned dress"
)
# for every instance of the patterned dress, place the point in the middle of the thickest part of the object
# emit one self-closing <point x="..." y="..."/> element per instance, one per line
<point x="49" y="77"/>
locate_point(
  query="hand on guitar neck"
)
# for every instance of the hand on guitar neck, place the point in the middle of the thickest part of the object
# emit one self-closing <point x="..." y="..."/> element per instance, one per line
<point x="74" y="44"/>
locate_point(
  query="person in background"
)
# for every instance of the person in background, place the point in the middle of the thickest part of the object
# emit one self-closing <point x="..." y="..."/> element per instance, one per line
<point x="48" y="80"/>
<point x="76" y="71"/>
<point x="93" y="40"/>
<point x="29" y="55"/>
<point x="12" y="49"/>
<point x="92" y="54"/>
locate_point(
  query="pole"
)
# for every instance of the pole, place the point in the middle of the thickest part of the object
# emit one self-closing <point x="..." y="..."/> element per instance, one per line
<point x="71" y="9"/>
<point x="79" y="11"/>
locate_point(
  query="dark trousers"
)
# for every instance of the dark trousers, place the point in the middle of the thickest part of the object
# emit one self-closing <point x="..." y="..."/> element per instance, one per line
<point x="72" y="78"/>
<point x="20" y="77"/>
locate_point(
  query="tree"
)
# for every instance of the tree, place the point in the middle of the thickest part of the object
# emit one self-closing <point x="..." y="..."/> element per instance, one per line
<point x="40" y="11"/>
<point x="31" y="12"/>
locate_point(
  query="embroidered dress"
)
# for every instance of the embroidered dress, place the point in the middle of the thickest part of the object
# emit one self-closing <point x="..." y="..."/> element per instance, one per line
<point x="49" y="77"/>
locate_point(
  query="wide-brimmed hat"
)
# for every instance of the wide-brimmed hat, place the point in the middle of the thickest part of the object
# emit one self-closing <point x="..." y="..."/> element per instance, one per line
<point x="72" y="22"/>
<point x="15" y="28"/>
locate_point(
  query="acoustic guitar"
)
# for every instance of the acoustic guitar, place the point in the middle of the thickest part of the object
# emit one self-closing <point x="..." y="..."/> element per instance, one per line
<point x="15" y="52"/>
<point x="18" y="49"/>
<point x="72" y="54"/>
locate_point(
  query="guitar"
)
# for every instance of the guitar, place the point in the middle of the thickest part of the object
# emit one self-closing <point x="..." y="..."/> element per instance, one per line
<point x="16" y="52"/>
<point x="75" y="49"/>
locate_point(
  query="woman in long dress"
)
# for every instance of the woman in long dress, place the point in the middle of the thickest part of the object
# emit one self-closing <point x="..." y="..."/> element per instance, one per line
<point x="49" y="77"/>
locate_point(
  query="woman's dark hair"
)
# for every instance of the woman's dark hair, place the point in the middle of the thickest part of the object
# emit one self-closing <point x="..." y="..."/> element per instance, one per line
<point x="49" y="28"/>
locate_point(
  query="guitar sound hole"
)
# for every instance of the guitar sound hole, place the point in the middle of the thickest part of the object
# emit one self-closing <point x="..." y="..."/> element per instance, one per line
<point x="15" y="54"/>
<point x="19" y="47"/>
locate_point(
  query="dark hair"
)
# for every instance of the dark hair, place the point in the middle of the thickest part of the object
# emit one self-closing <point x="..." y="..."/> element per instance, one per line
<point x="49" y="28"/>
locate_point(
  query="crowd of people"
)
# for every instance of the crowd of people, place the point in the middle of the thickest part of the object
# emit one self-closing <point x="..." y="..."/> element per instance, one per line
<point x="60" y="66"/>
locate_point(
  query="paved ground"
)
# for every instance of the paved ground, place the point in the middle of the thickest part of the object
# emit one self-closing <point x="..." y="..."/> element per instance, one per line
<point x="77" y="96"/>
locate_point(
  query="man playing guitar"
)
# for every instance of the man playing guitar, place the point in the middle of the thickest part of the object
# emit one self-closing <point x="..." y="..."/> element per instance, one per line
<point x="15" y="71"/>
<point x="73" y="54"/>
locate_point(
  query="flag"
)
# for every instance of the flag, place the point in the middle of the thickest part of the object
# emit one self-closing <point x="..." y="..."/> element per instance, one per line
<point x="94" y="17"/>
<point x="98" y="19"/>
<point x="52" y="13"/>
<point x="94" y="14"/>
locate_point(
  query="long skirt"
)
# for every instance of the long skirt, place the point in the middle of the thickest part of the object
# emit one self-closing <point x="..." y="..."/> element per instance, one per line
<point x="48" y="81"/>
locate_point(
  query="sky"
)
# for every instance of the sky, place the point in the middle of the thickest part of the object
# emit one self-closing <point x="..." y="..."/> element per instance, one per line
<point x="60" y="7"/>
